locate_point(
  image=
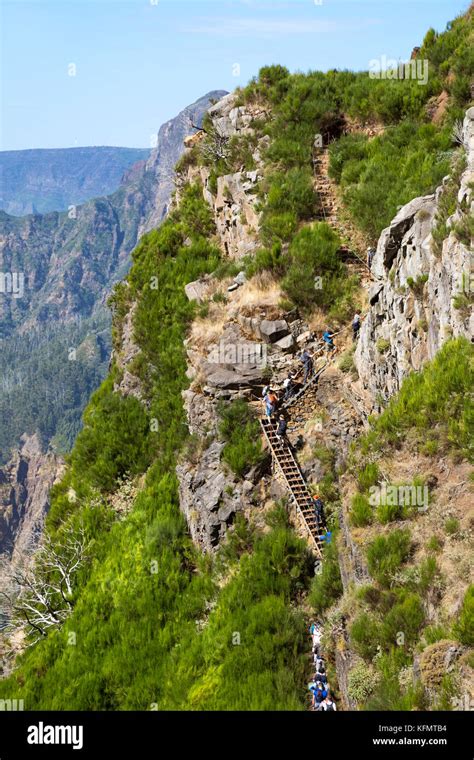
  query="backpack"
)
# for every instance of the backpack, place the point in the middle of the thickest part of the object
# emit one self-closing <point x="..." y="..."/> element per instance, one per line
<point x="329" y="706"/>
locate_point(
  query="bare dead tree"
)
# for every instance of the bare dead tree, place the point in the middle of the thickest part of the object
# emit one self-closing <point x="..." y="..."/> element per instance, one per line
<point x="42" y="596"/>
<point x="215" y="146"/>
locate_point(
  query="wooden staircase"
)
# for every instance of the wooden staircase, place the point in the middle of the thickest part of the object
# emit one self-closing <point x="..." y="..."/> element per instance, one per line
<point x="295" y="482"/>
<point x="312" y="382"/>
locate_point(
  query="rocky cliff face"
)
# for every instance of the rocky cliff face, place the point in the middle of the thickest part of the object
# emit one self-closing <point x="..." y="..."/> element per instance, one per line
<point x="69" y="262"/>
<point x="422" y="297"/>
<point x="69" y="266"/>
<point x="25" y="484"/>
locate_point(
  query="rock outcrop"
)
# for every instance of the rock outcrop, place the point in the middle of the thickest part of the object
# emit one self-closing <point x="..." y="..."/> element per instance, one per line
<point x="25" y="484"/>
<point x="234" y="200"/>
<point x="414" y="305"/>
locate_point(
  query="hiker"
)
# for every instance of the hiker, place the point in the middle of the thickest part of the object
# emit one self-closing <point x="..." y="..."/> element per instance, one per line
<point x="328" y="705"/>
<point x="370" y="256"/>
<point x="289" y="386"/>
<point x="282" y="426"/>
<point x="327" y="338"/>
<point x="322" y="677"/>
<point x="313" y="627"/>
<point x="318" y="694"/>
<point x="319" y="662"/>
<point x="355" y="326"/>
<point x="307" y="361"/>
<point x="316" y="637"/>
<point x="318" y="509"/>
<point x="326" y="537"/>
<point x="271" y="401"/>
<point x="265" y="391"/>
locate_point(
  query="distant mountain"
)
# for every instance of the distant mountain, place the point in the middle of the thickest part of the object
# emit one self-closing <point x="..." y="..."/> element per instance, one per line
<point x="39" y="181"/>
<point x="55" y="338"/>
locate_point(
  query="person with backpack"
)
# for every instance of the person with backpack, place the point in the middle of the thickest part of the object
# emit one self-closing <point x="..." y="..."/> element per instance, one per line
<point x="355" y="326"/>
<point x="271" y="401"/>
<point x="319" y="693"/>
<point x="322" y="677"/>
<point x="316" y="641"/>
<point x="282" y="426"/>
<point x="307" y="362"/>
<point x="318" y="509"/>
<point x="289" y="386"/>
<point x="328" y="705"/>
<point x="319" y="662"/>
<point x="370" y="256"/>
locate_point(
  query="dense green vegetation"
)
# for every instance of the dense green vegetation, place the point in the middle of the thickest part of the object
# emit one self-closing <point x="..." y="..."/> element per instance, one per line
<point x="241" y="431"/>
<point x="143" y="587"/>
<point x="410" y="158"/>
<point x="64" y="365"/>
<point x="434" y="406"/>
<point x="154" y="623"/>
<point x="326" y="586"/>
<point x="434" y="412"/>
<point x="379" y="175"/>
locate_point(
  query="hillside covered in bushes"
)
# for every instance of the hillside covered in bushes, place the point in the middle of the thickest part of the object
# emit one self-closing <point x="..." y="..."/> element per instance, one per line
<point x="149" y="619"/>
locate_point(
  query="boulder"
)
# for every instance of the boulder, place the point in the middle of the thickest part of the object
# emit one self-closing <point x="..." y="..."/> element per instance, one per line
<point x="273" y="330"/>
<point x="285" y="344"/>
<point x="197" y="290"/>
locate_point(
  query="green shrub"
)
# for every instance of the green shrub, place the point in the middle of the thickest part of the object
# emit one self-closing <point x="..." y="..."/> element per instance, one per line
<point x="326" y="587"/>
<point x="365" y="635"/>
<point x="451" y="526"/>
<point x="313" y="254"/>
<point x="361" y="513"/>
<point x="464" y="627"/>
<point x="362" y="681"/>
<point x="368" y="476"/>
<point x="278" y="227"/>
<point x="387" y="513"/>
<point x="115" y="440"/>
<point x="241" y="431"/>
<point x="434" y="633"/>
<point x="436" y="401"/>
<point x="382" y="345"/>
<point x="434" y="544"/>
<point x="386" y="553"/>
<point x="406" y="618"/>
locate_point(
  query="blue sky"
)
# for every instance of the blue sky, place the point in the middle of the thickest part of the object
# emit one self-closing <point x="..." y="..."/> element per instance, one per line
<point x="139" y="62"/>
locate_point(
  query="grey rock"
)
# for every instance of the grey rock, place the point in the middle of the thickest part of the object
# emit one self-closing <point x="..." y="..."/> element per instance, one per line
<point x="285" y="344"/>
<point x="416" y="323"/>
<point x="272" y="331"/>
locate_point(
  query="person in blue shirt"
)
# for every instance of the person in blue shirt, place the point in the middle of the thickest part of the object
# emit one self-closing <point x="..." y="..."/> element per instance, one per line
<point x="327" y="337"/>
<point x="326" y="537"/>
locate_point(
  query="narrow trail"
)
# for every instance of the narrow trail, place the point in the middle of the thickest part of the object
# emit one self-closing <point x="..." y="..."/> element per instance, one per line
<point x="287" y="466"/>
<point x="352" y="252"/>
<point x="354" y="243"/>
